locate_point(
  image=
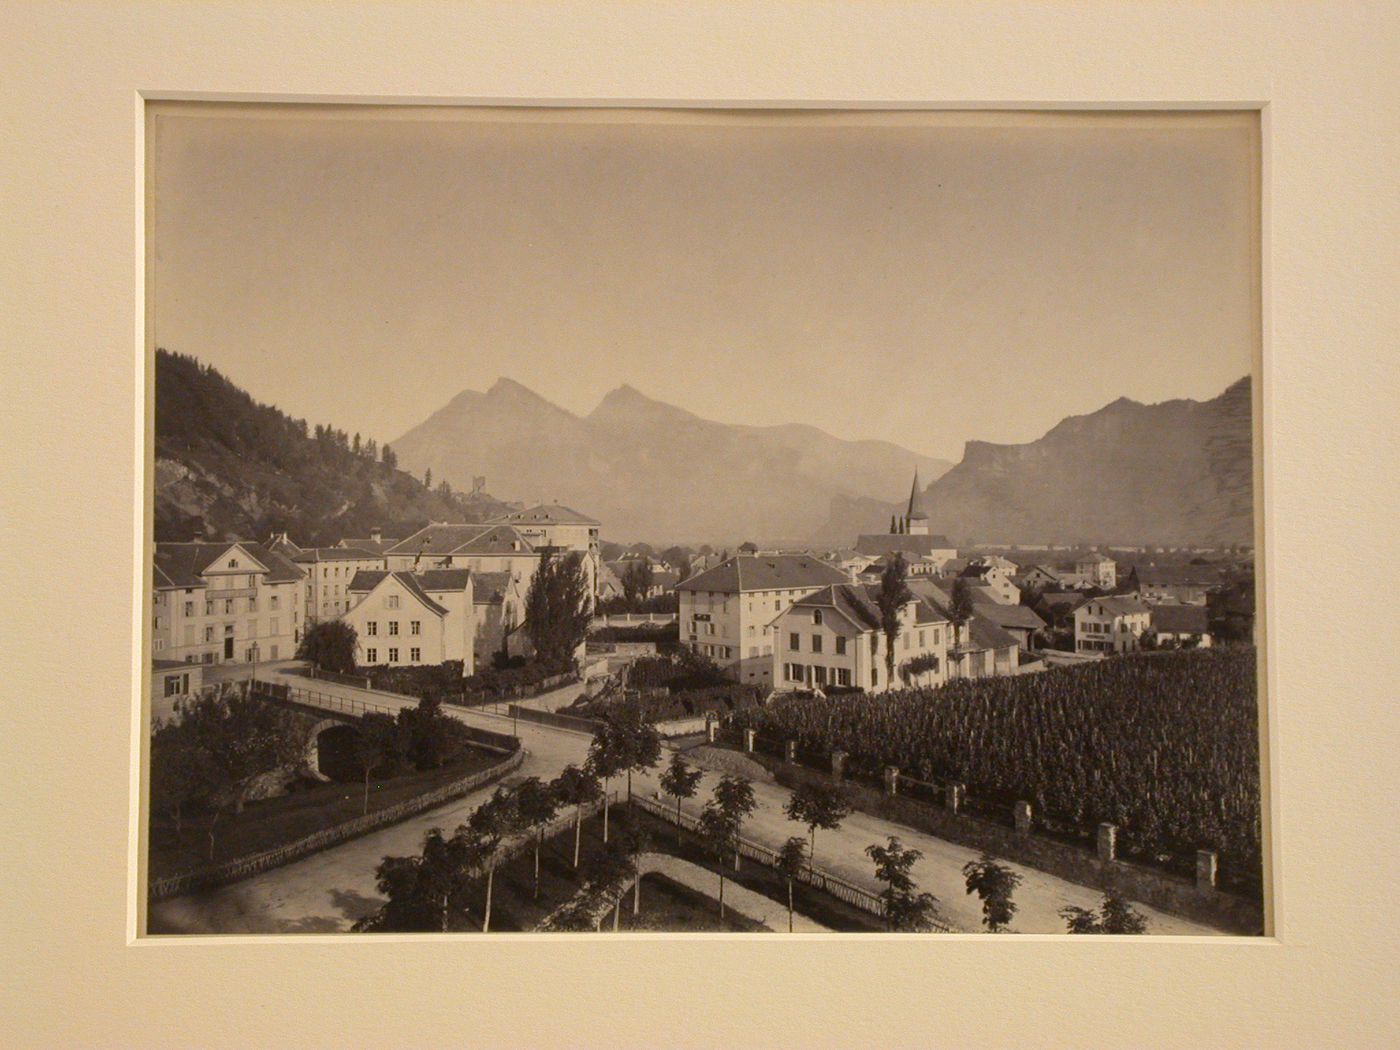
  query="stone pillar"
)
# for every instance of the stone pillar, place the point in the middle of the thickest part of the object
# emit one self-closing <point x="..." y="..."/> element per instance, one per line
<point x="891" y="780"/>
<point x="710" y="727"/>
<point x="749" y="734"/>
<point x="953" y="796"/>
<point x="1108" y="842"/>
<point x="838" y="764"/>
<point x="1021" y="812"/>
<point x="1206" y="865"/>
<point x="790" y="752"/>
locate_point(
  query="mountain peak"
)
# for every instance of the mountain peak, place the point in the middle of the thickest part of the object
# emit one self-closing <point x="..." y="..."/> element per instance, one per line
<point x="507" y="387"/>
<point x="628" y="402"/>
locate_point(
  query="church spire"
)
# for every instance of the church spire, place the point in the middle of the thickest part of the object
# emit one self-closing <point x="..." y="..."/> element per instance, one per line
<point x="916" y="521"/>
<point x="913" y="496"/>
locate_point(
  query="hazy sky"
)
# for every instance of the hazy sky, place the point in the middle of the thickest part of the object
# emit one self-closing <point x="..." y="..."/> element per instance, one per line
<point x="925" y="282"/>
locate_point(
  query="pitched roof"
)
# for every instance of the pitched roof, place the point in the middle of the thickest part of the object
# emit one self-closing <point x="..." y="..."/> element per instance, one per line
<point x="443" y="579"/>
<point x="1020" y="617"/>
<point x="887" y="543"/>
<point x="436" y="540"/>
<point x="1119" y="605"/>
<point x="1181" y="619"/>
<point x="546" y="514"/>
<point x="366" y="580"/>
<point x="314" y="554"/>
<point x="181" y="564"/>
<point x="378" y="546"/>
<point x="764" y="573"/>
<point x="983" y="634"/>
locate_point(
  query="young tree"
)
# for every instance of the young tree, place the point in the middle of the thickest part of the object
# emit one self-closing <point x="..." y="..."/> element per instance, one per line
<point x="818" y="806"/>
<point x="633" y="840"/>
<point x="558" y="609"/>
<point x="576" y="787"/>
<point x="893" y="596"/>
<point x="606" y="759"/>
<point x="536" y="803"/>
<point x="635" y="740"/>
<point x="489" y="824"/>
<point x="734" y="796"/>
<point x="719" y="836"/>
<point x="330" y="645"/>
<point x="680" y="782"/>
<point x="906" y="910"/>
<point x="791" y="858"/>
<point x="374" y="744"/>
<point x="995" y="884"/>
<point x="1115" y="915"/>
<point x="960" y="608"/>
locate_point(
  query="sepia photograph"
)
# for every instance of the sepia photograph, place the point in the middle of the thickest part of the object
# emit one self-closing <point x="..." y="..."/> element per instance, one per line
<point x="702" y="521"/>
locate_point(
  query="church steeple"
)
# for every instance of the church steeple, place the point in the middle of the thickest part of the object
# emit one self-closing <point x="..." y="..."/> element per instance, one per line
<point x="915" y="520"/>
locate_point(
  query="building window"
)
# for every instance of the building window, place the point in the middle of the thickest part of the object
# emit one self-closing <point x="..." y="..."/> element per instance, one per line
<point x="393" y="626"/>
<point x="372" y="655"/>
<point x="874" y="678"/>
<point x="414" y="655"/>
<point x="208" y="634"/>
<point x="820" y="672"/>
<point x="415" y="626"/>
<point x="843" y="676"/>
<point x="233" y="563"/>
<point x="372" y="628"/>
<point x="189" y="608"/>
<point x="272" y="602"/>
<point x="252" y="603"/>
<point x="795" y="642"/>
<point x="272" y="627"/>
<point x="393" y="656"/>
<point x="816" y="616"/>
<point x="228" y="606"/>
<point x="840" y="645"/>
<point x="209" y="608"/>
<point x="816" y="643"/>
<point x="392" y="602"/>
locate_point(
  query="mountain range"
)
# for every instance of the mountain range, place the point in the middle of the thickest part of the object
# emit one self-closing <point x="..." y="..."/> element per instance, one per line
<point x="1178" y="472"/>
<point x="650" y="470"/>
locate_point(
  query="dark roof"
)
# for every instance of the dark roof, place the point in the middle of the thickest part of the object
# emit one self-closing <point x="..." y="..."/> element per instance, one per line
<point x="1180" y="619"/>
<point x="341" y="553"/>
<point x="887" y="543"/>
<point x="282" y="544"/>
<point x="983" y="634"/>
<point x="850" y="600"/>
<point x="443" y="579"/>
<point x="378" y="546"/>
<point x="1119" y="605"/>
<point x="547" y="514"/>
<point x="1056" y="599"/>
<point x="1179" y="575"/>
<point x="369" y="579"/>
<point x="764" y="573"/>
<point x="180" y="564"/>
<point x="1020" y="617"/>
<point x="434" y="540"/>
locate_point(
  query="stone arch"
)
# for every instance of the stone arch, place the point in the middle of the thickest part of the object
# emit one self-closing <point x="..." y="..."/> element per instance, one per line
<point x="313" y="743"/>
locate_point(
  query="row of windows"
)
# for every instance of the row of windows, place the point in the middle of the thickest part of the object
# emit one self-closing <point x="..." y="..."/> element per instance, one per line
<point x="415" y="655"/>
<point x="717" y="652"/>
<point x="372" y="627"/>
<point x="227" y="605"/>
<point x="795" y="643"/>
<point x="1088" y="643"/>
<point x="820" y="675"/>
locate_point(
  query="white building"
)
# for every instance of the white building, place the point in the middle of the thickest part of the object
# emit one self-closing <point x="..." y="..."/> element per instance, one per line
<point x="231" y="602"/>
<point x="329" y="571"/>
<point x="1096" y="570"/>
<point x="726" y="611"/>
<point x="414" y="618"/>
<point x="833" y="637"/>
<point x="1114" y="624"/>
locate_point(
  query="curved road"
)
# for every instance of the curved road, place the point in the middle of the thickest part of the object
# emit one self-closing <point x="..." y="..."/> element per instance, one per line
<point x="328" y="891"/>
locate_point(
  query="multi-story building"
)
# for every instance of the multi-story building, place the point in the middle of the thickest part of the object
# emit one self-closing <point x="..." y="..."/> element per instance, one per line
<point x="481" y="548"/>
<point x="550" y="525"/>
<point x="994" y="580"/>
<point x="376" y="542"/>
<point x="1097" y="570"/>
<point x="726" y="611"/>
<point x="407" y="619"/>
<point x="833" y="637"/>
<point x="909" y="535"/>
<point x="1113" y="624"/>
<point x="231" y="602"/>
<point x="500" y="613"/>
<point x="329" y="571"/>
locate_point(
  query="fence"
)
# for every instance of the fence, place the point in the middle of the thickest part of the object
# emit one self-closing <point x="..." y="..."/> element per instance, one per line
<point x="359" y="681"/>
<point x="295" y="694"/>
<point x="245" y="867"/>
<point x="634" y="619"/>
<point x="553" y="718"/>
<point x="815" y="877"/>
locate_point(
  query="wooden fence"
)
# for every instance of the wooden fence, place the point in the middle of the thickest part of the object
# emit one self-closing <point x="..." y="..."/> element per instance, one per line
<point x="245" y="867"/>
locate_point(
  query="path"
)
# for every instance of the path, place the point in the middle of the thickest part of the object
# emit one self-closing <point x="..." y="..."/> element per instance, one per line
<point x="328" y="891"/>
<point x="742" y="899"/>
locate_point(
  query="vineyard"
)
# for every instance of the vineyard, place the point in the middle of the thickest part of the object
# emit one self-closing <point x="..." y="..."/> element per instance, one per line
<point x="1166" y="746"/>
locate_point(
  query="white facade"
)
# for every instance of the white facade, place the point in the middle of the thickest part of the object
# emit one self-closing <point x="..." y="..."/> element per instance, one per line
<point x="1110" y="625"/>
<point x="402" y="620"/>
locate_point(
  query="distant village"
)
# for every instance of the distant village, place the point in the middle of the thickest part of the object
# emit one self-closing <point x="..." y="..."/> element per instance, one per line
<point x="779" y="620"/>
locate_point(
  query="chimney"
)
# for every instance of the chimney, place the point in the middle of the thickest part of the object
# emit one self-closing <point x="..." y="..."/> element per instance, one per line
<point x="375" y="534"/>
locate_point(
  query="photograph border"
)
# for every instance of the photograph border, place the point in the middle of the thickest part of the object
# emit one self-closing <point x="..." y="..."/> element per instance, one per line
<point x="1318" y="73"/>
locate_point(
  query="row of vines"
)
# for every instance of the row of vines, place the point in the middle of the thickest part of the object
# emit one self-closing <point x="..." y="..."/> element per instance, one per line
<point x="1165" y="745"/>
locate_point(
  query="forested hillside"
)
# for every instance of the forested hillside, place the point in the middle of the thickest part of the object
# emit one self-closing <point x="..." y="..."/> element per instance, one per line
<point x="236" y="468"/>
